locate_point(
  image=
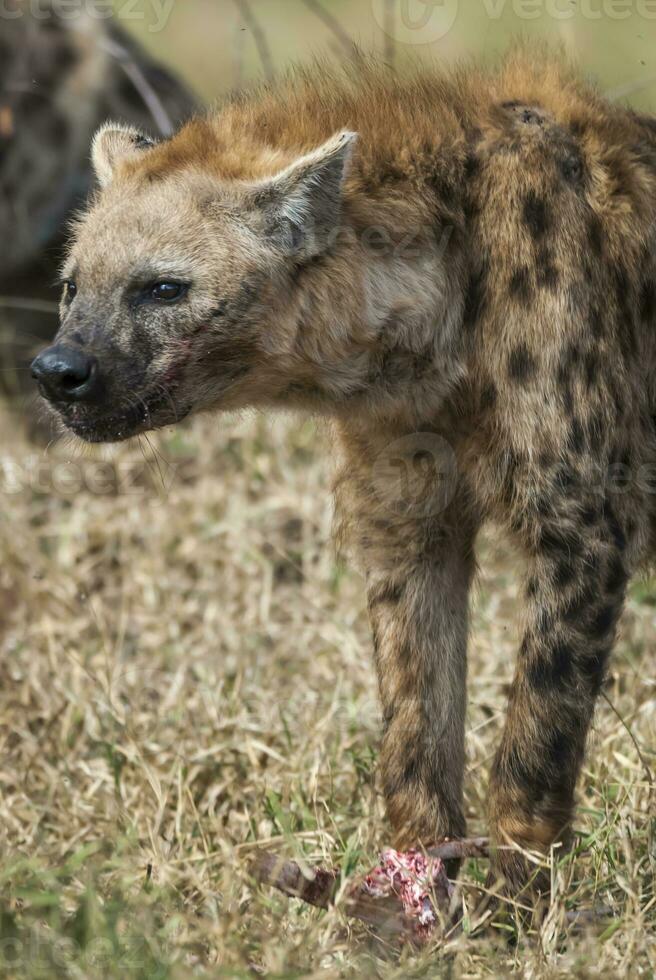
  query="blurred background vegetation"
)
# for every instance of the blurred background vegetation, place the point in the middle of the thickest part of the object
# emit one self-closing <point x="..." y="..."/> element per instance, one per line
<point x="220" y="44"/>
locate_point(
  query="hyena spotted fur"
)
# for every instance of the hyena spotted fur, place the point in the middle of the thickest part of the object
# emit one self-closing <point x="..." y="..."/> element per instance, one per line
<point x="466" y="256"/>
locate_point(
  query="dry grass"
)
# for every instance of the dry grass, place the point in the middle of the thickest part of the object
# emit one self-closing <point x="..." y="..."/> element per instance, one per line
<point x="186" y="674"/>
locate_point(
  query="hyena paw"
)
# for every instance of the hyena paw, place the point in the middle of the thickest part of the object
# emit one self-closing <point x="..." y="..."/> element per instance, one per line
<point x="520" y="855"/>
<point x="519" y="883"/>
<point x="518" y="876"/>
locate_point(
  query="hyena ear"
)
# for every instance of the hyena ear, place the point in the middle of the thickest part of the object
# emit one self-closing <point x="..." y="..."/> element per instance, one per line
<point x="302" y="205"/>
<point x="113" y="144"/>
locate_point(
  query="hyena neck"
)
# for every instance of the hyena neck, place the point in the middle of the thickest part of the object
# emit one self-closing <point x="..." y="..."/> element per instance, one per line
<point x="376" y="334"/>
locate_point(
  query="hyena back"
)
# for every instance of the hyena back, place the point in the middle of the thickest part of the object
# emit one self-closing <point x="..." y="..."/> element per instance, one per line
<point x="473" y="270"/>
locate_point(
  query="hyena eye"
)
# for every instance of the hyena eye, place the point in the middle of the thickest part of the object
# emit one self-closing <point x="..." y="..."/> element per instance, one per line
<point x="168" y="292"/>
<point x="70" y="290"/>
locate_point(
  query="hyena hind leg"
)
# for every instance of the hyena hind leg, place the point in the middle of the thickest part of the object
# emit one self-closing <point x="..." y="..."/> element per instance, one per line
<point x="578" y="572"/>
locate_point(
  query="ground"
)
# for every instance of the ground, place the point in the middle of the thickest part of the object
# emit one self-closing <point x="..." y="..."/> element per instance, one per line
<point x="186" y="675"/>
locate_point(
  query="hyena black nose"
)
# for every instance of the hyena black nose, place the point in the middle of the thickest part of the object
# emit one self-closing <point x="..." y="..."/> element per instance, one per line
<point x="66" y="374"/>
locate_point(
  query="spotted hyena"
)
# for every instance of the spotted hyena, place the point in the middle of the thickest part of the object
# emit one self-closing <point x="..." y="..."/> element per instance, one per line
<point x="459" y="272"/>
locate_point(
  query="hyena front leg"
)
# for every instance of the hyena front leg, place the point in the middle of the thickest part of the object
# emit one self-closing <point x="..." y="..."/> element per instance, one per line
<point x="575" y="592"/>
<point x="418" y="611"/>
<point x="418" y="567"/>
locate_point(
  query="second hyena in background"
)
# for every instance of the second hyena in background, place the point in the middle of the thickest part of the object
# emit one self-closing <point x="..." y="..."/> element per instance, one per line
<point x="60" y="78"/>
<point x="474" y="268"/>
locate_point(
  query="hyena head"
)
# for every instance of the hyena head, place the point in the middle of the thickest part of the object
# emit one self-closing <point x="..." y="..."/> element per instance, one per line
<point x="181" y="291"/>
